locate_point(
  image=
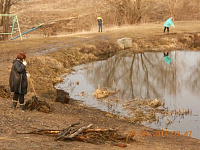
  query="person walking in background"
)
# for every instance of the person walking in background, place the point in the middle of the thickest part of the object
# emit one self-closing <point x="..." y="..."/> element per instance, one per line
<point x="18" y="80"/>
<point x="100" y="23"/>
<point x="167" y="23"/>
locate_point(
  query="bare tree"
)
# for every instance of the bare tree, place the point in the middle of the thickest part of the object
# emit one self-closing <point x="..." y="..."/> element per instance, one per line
<point x="5" y="6"/>
<point x="178" y="9"/>
<point x="172" y="4"/>
<point x="130" y="11"/>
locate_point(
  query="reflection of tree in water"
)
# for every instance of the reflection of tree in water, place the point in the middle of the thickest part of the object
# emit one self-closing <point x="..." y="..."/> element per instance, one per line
<point x="146" y="76"/>
<point x="142" y="75"/>
<point x="193" y="80"/>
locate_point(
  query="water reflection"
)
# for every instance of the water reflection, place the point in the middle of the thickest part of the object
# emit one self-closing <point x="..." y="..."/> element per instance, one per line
<point x="144" y="76"/>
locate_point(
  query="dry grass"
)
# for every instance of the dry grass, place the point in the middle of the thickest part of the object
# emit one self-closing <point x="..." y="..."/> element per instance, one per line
<point x="150" y="110"/>
<point x="103" y="92"/>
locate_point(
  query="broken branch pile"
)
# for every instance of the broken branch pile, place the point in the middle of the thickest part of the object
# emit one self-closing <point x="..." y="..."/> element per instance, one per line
<point x="86" y="134"/>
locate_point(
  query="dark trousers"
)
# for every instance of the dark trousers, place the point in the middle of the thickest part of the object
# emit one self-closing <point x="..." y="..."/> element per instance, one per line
<point x="167" y="29"/>
<point x="20" y="97"/>
<point x="166" y="54"/>
<point x="100" y="27"/>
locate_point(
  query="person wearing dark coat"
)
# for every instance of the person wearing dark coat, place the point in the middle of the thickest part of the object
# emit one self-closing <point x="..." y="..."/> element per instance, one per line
<point x="18" y="80"/>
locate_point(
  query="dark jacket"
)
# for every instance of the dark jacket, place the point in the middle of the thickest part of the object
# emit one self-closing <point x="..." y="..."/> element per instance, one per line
<point x="18" y="79"/>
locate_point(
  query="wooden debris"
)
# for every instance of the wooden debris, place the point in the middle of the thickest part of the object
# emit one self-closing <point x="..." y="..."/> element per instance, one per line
<point x="86" y="134"/>
<point x="77" y="132"/>
<point x="99" y="130"/>
<point x="66" y="131"/>
<point x="118" y="144"/>
<point x="42" y="132"/>
<point x="7" y="139"/>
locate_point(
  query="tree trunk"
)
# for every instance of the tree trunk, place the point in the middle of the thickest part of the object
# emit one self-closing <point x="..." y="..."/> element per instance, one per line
<point x="5" y="9"/>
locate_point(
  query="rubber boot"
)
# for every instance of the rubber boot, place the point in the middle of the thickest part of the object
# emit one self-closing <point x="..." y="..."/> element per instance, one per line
<point x="14" y="105"/>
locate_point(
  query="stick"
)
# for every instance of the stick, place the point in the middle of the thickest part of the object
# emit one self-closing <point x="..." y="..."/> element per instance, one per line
<point x="99" y="130"/>
<point x="118" y="144"/>
<point x="42" y="131"/>
<point x="82" y="138"/>
<point x="66" y="131"/>
<point x="33" y="87"/>
<point x="77" y="132"/>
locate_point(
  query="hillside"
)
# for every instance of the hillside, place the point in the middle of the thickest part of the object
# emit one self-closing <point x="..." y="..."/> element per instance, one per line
<point x="59" y="17"/>
<point x="69" y="16"/>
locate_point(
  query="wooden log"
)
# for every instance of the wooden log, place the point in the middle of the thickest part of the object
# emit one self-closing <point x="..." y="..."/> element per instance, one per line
<point x="100" y="130"/>
<point x="81" y="138"/>
<point x="103" y="130"/>
<point x="88" y="139"/>
<point x="118" y="144"/>
<point x="66" y="131"/>
<point x="77" y="132"/>
<point x="43" y="131"/>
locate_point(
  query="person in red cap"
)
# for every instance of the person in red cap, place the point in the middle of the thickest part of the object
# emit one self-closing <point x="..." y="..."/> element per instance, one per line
<point x="18" y="80"/>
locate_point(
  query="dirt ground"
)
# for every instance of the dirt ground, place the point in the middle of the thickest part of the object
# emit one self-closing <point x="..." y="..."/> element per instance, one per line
<point x="48" y="58"/>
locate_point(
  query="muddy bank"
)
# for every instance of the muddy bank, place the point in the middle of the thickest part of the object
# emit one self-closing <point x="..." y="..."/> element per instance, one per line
<point x="49" y="58"/>
<point x="46" y="68"/>
<point x="167" y="42"/>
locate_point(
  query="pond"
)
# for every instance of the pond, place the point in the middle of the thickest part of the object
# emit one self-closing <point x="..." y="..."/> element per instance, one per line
<point x="139" y="79"/>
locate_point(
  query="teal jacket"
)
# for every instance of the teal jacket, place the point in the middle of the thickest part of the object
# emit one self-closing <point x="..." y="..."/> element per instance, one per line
<point x="167" y="59"/>
<point x="168" y="22"/>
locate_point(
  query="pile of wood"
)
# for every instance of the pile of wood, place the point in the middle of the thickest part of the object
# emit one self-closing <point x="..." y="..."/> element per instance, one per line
<point x="87" y="134"/>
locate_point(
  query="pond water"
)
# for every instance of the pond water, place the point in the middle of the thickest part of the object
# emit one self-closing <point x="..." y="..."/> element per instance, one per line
<point x="144" y="76"/>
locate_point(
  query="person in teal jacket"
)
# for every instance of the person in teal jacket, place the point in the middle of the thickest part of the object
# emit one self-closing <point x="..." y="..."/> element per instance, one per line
<point x="168" y="23"/>
<point x="166" y="58"/>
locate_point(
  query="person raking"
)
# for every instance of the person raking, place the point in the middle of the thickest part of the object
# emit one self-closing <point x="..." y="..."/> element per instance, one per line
<point x="18" y="80"/>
